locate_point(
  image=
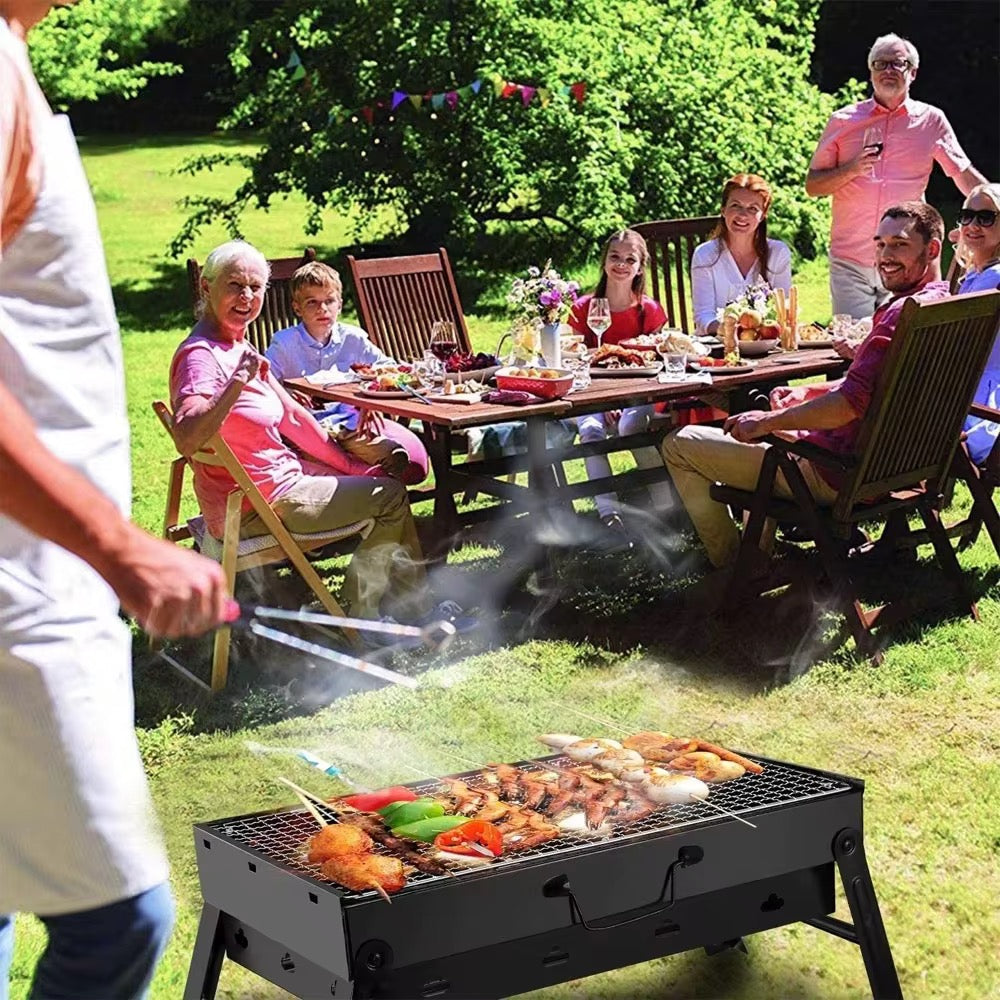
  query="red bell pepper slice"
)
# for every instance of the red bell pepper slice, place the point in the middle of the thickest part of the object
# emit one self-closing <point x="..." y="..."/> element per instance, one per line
<point x="373" y="801"/>
<point x="475" y="832"/>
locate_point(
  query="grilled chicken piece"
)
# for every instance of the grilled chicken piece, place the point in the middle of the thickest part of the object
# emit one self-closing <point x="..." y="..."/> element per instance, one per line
<point x="401" y="848"/>
<point x="721" y="770"/>
<point x="366" y="871"/>
<point x="692" y="761"/>
<point x="338" y="838"/>
<point x="492" y="808"/>
<point x="536" y="831"/>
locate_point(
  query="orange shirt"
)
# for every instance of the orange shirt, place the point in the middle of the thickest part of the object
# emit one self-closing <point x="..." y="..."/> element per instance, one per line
<point x="21" y="104"/>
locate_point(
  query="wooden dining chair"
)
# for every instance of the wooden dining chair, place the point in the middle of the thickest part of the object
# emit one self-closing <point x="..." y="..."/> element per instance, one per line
<point x="671" y="244"/>
<point x="400" y="298"/>
<point x="276" y="313"/>
<point x="238" y="554"/>
<point x="904" y="454"/>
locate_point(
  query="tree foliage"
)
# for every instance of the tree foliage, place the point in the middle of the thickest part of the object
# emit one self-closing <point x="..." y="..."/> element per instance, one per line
<point x="680" y="95"/>
<point x="94" y="48"/>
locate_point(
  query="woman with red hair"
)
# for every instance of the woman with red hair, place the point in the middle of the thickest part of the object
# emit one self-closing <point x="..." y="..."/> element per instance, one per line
<point x="738" y="253"/>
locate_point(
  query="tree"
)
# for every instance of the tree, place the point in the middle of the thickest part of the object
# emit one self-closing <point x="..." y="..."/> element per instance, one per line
<point x="680" y="95"/>
<point x="83" y="52"/>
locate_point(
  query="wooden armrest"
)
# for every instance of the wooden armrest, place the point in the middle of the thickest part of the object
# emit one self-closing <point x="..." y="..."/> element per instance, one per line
<point x="812" y="452"/>
<point x="984" y="412"/>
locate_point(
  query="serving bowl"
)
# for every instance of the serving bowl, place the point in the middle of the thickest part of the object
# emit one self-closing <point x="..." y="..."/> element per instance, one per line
<point x="756" y="348"/>
<point x="546" y="388"/>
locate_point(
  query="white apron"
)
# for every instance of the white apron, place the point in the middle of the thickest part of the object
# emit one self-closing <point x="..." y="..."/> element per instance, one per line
<point x="76" y="827"/>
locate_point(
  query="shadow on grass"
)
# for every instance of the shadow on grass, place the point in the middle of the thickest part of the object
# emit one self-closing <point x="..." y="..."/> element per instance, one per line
<point x="105" y="144"/>
<point x="160" y="301"/>
<point x="630" y="602"/>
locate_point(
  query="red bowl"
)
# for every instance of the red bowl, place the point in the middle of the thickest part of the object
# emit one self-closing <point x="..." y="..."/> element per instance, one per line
<point x="545" y="388"/>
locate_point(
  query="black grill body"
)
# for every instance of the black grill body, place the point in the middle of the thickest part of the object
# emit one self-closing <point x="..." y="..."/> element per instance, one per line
<point x="684" y="878"/>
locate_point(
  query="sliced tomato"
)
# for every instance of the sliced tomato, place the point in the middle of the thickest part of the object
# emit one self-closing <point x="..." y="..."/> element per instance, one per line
<point x="373" y="801"/>
<point x="466" y="838"/>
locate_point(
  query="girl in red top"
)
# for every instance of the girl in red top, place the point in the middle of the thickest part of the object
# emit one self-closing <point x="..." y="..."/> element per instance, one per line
<point x="623" y="284"/>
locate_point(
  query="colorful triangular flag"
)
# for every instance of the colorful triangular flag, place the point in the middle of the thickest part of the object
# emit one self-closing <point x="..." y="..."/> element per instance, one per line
<point x="398" y="96"/>
<point x="578" y="90"/>
<point x="527" y="93"/>
<point x="544" y="96"/>
<point x="452" y="99"/>
<point x="416" y="100"/>
<point x="437" y="101"/>
<point x="368" y="113"/>
<point x="475" y="85"/>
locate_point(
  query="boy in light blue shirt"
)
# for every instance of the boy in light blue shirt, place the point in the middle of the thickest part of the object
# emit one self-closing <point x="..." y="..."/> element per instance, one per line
<point x="319" y="342"/>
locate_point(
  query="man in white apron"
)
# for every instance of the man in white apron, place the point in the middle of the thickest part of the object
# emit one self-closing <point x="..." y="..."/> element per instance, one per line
<point x="78" y="844"/>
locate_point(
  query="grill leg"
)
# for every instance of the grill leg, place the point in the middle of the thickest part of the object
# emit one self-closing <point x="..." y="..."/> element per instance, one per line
<point x="206" y="962"/>
<point x="868" y="930"/>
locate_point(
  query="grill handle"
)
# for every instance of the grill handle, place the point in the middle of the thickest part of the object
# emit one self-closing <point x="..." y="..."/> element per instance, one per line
<point x="558" y="887"/>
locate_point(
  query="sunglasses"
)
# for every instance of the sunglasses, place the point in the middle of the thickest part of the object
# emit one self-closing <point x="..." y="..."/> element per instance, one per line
<point x="882" y="64"/>
<point x="985" y="217"/>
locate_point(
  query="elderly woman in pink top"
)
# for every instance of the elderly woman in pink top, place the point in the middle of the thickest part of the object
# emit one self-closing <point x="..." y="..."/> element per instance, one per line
<point x="874" y="154"/>
<point x="218" y="382"/>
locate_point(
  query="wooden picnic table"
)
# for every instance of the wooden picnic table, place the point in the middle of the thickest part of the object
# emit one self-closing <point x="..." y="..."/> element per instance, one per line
<point x="441" y="419"/>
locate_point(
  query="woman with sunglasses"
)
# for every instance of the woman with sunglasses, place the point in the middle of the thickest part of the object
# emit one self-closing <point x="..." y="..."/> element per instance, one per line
<point x="978" y="251"/>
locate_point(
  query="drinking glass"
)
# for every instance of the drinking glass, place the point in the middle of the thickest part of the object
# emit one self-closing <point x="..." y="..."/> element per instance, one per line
<point x="579" y="365"/>
<point x="874" y="139"/>
<point x="434" y="365"/>
<point x="424" y="370"/>
<point x="444" y="340"/>
<point x="599" y="318"/>
<point x="675" y="362"/>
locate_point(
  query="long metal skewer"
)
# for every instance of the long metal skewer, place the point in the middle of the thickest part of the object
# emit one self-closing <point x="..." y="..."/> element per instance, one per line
<point x="314" y="649"/>
<point x="592" y="718"/>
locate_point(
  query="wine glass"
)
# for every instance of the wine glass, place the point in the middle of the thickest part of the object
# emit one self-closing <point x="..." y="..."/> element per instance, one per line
<point x="874" y="140"/>
<point x="444" y="341"/>
<point x="599" y="318"/>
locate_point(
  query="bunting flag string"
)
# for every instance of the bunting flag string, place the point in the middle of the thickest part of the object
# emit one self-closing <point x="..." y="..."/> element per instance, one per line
<point x="437" y="100"/>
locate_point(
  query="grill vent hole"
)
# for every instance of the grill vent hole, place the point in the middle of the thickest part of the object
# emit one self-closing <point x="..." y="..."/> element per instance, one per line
<point x="435" y="988"/>
<point x="773" y="903"/>
<point x="240" y="938"/>
<point x="556" y="957"/>
<point x="208" y="844"/>
<point x="669" y="928"/>
<point x="287" y="962"/>
<point x="251" y="866"/>
<point x="313" y="898"/>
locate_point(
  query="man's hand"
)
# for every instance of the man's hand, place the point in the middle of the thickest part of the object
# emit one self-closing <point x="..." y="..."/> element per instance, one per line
<point x="171" y="591"/>
<point x="844" y="348"/>
<point x="749" y="426"/>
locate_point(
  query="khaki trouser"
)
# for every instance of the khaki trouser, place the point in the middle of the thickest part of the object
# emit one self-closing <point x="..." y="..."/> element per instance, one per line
<point x="698" y="456"/>
<point x="388" y="563"/>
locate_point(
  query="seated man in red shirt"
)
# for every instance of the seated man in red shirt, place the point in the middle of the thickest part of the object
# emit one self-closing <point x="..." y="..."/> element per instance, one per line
<point x="908" y="258"/>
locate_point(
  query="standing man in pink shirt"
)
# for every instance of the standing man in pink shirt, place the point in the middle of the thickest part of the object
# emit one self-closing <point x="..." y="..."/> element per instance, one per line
<point x="874" y="154"/>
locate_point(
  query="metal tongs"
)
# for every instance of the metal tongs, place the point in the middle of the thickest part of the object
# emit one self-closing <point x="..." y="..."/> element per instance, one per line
<point x="436" y="635"/>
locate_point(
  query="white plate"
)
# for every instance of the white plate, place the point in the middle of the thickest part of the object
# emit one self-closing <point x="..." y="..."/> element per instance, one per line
<point x="822" y="342"/>
<point x="596" y="372"/>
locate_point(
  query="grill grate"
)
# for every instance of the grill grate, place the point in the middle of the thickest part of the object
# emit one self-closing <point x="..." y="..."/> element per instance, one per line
<point x="280" y="837"/>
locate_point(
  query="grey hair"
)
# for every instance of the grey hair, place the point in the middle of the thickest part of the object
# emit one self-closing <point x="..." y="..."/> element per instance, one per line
<point x="228" y="254"/>
<point x="891" y="39"/>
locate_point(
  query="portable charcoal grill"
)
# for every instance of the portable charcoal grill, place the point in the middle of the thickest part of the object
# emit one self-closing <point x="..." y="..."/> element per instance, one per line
<point x="683" y="878"/>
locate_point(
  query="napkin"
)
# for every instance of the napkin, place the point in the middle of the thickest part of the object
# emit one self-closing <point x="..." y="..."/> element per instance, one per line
<point x="699" y="378"/>
<point x="510" y="397"/>
<point x="332" y="376"/>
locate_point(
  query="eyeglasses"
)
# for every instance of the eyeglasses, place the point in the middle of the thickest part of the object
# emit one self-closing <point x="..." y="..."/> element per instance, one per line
<point x="985" y="217"/>
<point x="880" y="64"/>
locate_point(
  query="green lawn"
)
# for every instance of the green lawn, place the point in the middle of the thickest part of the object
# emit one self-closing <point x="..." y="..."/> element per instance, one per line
<point x="617" y="644"/>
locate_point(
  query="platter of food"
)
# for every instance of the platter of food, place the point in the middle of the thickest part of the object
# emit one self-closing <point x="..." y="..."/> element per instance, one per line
<point x="816" y="342"/>
<point x="369" y="373"/>
<point x="719" y="366"/>
<point x="464" y="367"/>
<point x="756" y="348"/>
<point x="373" y="391"/>
<point x="615" y="361"/>
<point x="547" y="383"/>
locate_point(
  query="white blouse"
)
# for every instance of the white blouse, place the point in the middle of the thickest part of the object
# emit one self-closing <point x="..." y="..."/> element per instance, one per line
<point x="716" y="280"/>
